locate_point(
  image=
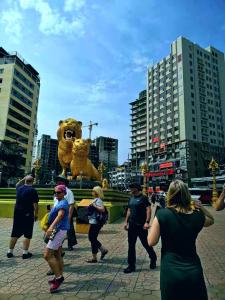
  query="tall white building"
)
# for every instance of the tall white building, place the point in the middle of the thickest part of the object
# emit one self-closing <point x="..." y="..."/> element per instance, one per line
<point x="138" y="130"/>
<point x="185" y="111"/>
<point x="19" y="94"/>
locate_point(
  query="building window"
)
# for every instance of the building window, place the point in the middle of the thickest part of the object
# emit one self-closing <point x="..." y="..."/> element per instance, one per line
<point x="1" y="71"/>
<point x="1" y="80"/>
<point x="17" y="127"/>
<point x="21" y="98"/>
<point x="16" y="136"/>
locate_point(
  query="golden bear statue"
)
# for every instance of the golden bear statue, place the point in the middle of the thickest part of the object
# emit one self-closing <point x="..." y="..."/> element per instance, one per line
<point x="69" y="130"/>
<point x="80" y="164"/>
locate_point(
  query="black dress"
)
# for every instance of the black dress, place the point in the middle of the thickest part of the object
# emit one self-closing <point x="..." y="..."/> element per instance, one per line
<point x="181" y="276"/>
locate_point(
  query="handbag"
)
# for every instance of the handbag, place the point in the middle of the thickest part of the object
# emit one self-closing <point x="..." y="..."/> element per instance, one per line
<point x="44" y="222"/>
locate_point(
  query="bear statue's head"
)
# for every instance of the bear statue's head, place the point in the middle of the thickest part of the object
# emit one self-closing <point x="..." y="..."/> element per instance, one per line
<point x="69" y="130"/>
<point x="81" y="147"/>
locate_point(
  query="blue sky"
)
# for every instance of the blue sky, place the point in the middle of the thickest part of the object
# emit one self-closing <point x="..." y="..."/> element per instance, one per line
<point x="92" y="55"/>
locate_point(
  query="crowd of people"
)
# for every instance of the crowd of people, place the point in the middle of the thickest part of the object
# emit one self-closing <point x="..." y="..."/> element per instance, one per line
<point x="177" y="222"/>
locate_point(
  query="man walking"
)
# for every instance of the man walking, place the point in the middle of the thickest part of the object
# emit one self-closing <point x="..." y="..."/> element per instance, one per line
<point x="71" y="235"/>
<point x="25" y="213"/>
<point x="137" y="223"/>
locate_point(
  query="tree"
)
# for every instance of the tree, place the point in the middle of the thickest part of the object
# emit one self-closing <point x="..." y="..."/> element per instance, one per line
<point x="11" y="161"/>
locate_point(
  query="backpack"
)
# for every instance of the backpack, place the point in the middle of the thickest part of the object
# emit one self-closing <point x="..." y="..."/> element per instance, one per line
<point x="103" y="217"/>
<point x="44" y="222"/>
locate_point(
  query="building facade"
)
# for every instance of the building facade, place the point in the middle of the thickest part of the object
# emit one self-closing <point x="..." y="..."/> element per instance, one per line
<point x="185" y="111"/>
<point x="121" y="177"/>
<point x="47" y="153"/>
<point x="107" y="149"/>
<point x="138" y="129"/>
<point x="19" y="94"/>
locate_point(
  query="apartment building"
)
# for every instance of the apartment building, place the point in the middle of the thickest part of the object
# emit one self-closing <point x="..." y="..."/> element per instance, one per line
<point x="47" y="153"/>
<point x="107" y="149"/>
<point x="185" y="111"/>
<point x="19" y="93"/>
<point x="138" y="130"/>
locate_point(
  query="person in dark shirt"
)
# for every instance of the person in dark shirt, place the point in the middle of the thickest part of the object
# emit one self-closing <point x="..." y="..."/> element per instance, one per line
<point x="137" y="223"/>
<point x="25" y="213"/>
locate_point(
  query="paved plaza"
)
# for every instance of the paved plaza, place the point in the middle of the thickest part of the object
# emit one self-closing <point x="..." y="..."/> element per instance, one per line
<point x="26" y="279"/>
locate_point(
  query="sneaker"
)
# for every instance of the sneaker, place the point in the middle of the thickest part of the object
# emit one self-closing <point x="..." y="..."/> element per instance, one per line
<point x="61" y="279"/>
<point x="56" y="284"/>
<point x="70" y="248"/>
<point x="103" y="254"/>
<point x="9" y="255"/>
<point x="153" y="264"/>
<point x="28" y="255"/>
<point x="50" y="281"/>
<point x="92" y="261"/>
<point x="129" y="269"/>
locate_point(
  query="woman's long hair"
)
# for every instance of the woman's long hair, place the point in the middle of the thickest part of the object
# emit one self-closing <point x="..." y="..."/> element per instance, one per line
<point x="98" y="190"/>
<point x="179" y="197"/>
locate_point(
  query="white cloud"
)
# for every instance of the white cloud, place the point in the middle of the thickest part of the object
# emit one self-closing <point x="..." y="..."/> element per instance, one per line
<point x="52" y="21"/>
<point x="139" y="63"/>
<point x="76" y="5"/>
<point x="12" y="21"/>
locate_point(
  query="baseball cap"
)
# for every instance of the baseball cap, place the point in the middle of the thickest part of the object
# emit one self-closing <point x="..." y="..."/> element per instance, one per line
<point x="61" y="188"/>
<point x="62" y="178"/>
<point x="135" y="185"/>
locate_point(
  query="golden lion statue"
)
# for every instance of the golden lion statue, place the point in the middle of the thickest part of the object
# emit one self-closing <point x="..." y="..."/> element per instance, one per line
<point x="80" y="164"/>
<point x="69" y="130"/>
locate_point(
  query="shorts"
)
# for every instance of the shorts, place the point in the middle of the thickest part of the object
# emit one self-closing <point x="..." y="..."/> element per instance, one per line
<point x="57" y="241"/>
<point x="22" y="225"/>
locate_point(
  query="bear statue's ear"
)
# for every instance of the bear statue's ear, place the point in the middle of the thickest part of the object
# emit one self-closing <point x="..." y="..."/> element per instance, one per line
<point x="60" y="122"/>
<point x="88" y="141"/>
<point x="79" y="123"/>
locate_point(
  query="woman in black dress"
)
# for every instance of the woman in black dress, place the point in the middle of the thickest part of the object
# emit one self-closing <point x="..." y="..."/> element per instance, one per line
<point x="181" y="275"/>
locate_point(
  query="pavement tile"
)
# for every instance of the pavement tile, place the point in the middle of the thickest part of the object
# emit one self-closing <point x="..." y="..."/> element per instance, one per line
<point x="27" y="280"/>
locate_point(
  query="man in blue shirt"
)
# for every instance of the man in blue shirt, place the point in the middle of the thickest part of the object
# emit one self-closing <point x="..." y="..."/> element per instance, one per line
<point x="137" y="223"/>
<point x="25" y="213"/>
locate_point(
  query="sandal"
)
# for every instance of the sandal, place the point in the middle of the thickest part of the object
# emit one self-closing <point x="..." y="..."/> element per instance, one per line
<point x="92" y="261"/>
<point x="49" y="273"/>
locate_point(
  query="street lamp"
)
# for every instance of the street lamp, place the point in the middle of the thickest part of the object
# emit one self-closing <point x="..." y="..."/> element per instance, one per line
<point x="213" y="166"/>
<point x="144" y="169"/>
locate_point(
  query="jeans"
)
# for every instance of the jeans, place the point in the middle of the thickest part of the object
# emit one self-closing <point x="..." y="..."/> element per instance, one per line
<point x="135" y="231"/>
<point x="92" y="235"/>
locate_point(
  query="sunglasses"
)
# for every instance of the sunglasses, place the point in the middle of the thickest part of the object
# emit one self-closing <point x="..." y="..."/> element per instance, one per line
<point x="57" y="193"/>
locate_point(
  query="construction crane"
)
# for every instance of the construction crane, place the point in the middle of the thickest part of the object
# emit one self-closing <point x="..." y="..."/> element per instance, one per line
<point x="90" y="127"/>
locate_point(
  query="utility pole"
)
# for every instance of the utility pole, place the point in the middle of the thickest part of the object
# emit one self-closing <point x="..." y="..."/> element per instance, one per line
<point x="90" y="127"/>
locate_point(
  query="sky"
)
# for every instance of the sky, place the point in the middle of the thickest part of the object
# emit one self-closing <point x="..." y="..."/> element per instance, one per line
<point x="93" y="55"/>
